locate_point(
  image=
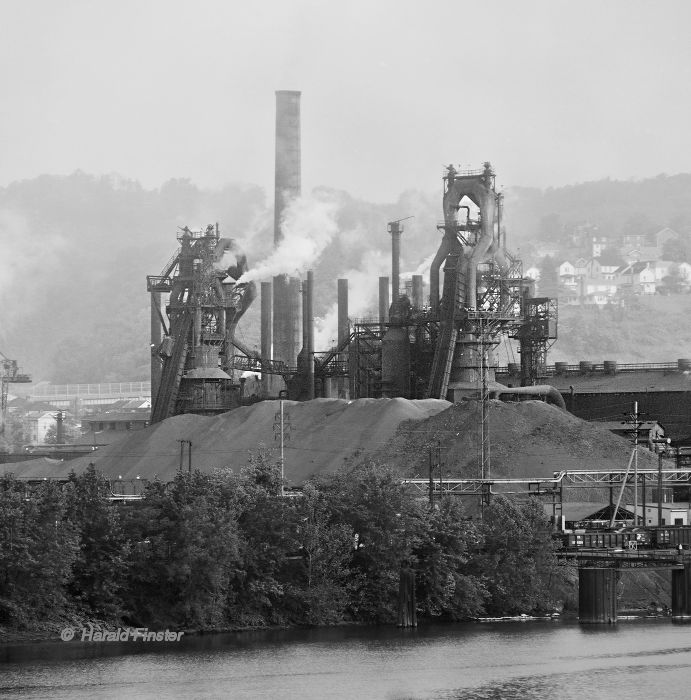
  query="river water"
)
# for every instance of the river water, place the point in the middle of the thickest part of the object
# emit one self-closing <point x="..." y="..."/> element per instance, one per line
<point x="534" y="659"/>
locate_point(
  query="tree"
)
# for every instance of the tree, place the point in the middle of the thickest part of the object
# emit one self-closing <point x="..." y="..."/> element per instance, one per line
<point x="549" y="277"/>
<point x="99" y="573"/>
<point x="387" y="524"/>
<point x="185" y="550"/>
<point x="611" y="256"/>
<point x="446" y="584"/>
<point x="38" y="547"/>
<point x="677" y="249"/>
<point x="638" y="224"/>
<point x="550" y="228"/>
<point x="327" y="547"/>
<point x="518" y="562"/>
<point x="672" y="283"/>
<point x="267" y="525"/>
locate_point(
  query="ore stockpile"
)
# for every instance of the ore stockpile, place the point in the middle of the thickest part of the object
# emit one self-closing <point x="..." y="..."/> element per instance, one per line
<point x="325" y="435"/>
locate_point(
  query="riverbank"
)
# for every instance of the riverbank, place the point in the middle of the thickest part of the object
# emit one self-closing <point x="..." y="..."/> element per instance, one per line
<point x="51" y="632"/>
<point x="511" y="660"/>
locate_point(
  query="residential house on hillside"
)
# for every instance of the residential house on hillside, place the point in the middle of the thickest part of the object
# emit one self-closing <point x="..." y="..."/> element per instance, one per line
<point x="641" y="253"/>
<point x="630" y="241"/>
<point x="664" y="235"/>
<point x="567" y="274"/>
<point x="598" y="244"/>
<point x="637" y="277"/>
<point x="666" y="268"/>
<point x="39" y="424"/>
<point x="599" y="292"/>
<point x="646" y="247"/>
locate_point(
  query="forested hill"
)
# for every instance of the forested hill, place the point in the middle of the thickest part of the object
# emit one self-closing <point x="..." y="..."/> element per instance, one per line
<point x="614" y="207"/>
<point x="75" y="251"/>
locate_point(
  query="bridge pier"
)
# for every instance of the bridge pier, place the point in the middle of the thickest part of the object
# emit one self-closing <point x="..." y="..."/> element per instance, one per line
<point x="681" y="593"/>
<point x="597" y="595"/>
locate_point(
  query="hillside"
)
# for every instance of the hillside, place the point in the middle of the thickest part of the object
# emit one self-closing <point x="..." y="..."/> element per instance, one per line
<point x="75" y="251"/>
<point x="655" y="330"/>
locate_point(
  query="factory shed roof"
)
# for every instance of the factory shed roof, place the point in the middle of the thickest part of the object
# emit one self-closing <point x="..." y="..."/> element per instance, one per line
<point x="641" y="381"/>
<point x="118" y="417"/>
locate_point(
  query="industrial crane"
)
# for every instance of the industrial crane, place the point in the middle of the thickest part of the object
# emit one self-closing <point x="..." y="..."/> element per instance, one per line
<point x="9" y="374"/>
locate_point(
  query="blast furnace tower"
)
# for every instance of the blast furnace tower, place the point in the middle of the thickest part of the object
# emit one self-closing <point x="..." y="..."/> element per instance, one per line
<point x="191" y="350"/>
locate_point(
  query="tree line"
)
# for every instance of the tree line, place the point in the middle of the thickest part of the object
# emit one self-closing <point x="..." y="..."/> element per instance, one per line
<point x="226" y="550"/>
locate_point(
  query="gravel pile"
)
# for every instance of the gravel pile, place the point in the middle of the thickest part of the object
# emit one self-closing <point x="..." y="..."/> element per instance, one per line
<point x="530" y="438"/>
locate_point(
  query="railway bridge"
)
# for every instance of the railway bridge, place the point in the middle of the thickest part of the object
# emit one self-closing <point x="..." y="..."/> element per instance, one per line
<point x="599" y="572"/>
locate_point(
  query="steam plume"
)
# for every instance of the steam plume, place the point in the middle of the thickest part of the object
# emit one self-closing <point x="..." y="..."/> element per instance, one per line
<point x="309" y="225"/>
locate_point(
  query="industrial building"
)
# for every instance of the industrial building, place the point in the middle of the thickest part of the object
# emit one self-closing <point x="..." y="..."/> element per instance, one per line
<point x="441" y="347"/>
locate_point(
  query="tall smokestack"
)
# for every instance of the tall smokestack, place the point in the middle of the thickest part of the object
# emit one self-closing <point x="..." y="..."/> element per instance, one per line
<point x="286" y="299"/>
<point x="383" y="299"/>
<point x="308" y="324"/>
<point x="395" y="229"/>
<point x="266" y="323"/>
<point x="343" y="332"/>
<point x="343" y="325"/>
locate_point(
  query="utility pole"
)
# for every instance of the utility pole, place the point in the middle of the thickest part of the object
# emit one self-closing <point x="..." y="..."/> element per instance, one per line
<point x="485" y="459"/>
<point x="664" y="444"/>
<point x="189" y="455"/>
<point x="634" y="420"/>
<point x="282" y="432"/>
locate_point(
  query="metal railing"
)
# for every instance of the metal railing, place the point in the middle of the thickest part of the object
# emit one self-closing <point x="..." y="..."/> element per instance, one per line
<point x="599" y="367"/>
<point x="132" y="389"/>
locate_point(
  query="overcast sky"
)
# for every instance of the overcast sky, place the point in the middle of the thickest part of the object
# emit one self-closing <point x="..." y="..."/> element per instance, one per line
<point x="551" y="92"/>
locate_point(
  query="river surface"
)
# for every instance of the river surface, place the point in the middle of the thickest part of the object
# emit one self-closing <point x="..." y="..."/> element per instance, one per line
<point x="535" y="659"/>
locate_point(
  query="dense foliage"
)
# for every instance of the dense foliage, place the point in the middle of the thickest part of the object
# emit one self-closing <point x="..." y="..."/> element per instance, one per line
<point x="221" y="550"/>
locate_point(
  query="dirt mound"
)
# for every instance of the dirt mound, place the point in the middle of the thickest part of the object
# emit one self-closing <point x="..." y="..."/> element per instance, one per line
<point x="530" y="438"/>
<point x="321" y="436"/>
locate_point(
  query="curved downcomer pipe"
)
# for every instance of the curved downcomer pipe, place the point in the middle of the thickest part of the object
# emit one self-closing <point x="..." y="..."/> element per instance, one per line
<point x="546" y="391"/>
<point x="484" y="243"/>
<point x="444" y="250"/>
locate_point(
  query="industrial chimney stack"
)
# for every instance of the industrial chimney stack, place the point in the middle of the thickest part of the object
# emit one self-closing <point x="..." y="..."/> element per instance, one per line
<point x="286" y="290"/>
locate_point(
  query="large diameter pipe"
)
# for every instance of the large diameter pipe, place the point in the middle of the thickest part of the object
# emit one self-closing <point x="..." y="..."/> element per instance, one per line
<point x="444" y="250"/>
<point x="383" y="299"/>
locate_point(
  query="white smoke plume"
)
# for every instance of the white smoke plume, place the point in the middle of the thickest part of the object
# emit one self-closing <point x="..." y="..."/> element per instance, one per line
<point x="309" y="225"/>
<point x="421" y="269"/>
<point x="363" y="298"/>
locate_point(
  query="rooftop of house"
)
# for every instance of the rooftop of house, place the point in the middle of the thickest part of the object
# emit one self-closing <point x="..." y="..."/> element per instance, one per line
<point x="118" y="417"/>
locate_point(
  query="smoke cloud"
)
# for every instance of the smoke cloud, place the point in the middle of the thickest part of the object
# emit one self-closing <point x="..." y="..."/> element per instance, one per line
<point x="363" y="297"/>
<point x="309" y="224"/>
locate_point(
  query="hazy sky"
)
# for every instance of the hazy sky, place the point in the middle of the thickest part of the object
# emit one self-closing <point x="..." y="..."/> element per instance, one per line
<point x="551" y="92"/>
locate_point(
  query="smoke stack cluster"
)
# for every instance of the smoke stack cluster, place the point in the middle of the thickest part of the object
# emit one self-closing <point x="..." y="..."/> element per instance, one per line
<point x="286" y="290"/>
